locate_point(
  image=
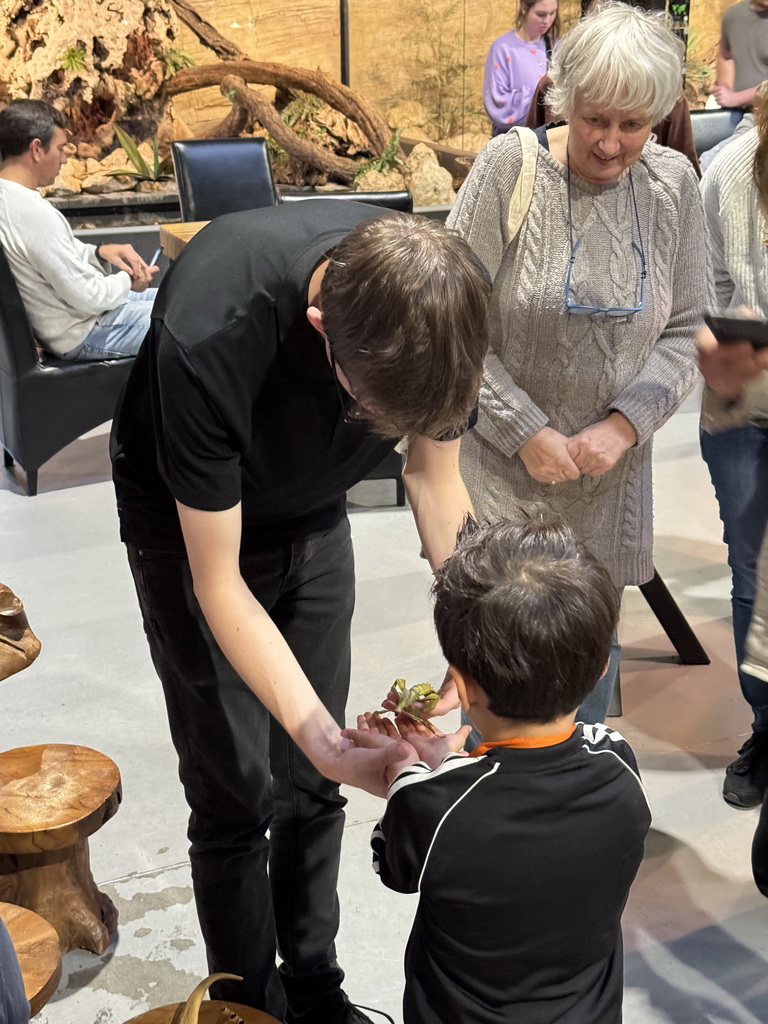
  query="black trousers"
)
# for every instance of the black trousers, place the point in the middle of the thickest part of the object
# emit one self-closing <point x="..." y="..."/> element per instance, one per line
<point x="243" y="776"/>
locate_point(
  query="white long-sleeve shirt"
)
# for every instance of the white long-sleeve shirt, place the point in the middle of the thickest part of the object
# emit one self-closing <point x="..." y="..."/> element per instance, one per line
<point x="62" y="284"/>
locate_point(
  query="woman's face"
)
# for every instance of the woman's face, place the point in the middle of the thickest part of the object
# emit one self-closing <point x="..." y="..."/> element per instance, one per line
<point x="538" y="20"/>
<point x="603" y="143"/>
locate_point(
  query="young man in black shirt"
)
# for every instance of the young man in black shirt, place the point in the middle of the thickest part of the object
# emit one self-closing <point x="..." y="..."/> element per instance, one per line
<point x="236" y="440"/>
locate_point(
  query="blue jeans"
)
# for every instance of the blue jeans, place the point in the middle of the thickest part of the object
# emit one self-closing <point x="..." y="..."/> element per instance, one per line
<point x="243" y="776"/>
<point x="118" y="333"/>
<point x="738" y="465"/>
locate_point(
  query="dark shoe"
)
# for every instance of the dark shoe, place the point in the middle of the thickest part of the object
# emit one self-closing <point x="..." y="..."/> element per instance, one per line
<point x="760" y="851"/>
<point x="342" y="1012"/>
<point x="746" y="778"/>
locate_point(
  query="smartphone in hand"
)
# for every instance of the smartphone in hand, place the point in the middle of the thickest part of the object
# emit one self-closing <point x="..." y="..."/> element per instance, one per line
<point x="728" y="328"/>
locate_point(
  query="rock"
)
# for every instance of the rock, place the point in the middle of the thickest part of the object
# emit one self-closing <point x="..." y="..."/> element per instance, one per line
<point x="69" y="180"/>
<point x="381" y="181"/>
<point x="171" y="128"/>
<point x="96" y="184"/>
<point x="88" y="151"/>
<point x="151" y="186"/>
<point x="471" y="141"/>
<point x="105" y="135"/>
<point x="431" y="184"/>
<point x="342" y="133"/>
<point x="408" y="114"/>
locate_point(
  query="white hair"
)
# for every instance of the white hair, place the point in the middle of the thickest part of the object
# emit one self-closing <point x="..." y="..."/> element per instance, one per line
<point x="619" y="57"/>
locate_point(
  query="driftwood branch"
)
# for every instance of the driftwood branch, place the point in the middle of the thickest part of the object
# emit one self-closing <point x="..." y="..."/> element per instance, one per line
<point x="238" y="121"/>
<point x="206" y="33"/>
<point x="263" y="111"/>
<point x="254" y="72"/>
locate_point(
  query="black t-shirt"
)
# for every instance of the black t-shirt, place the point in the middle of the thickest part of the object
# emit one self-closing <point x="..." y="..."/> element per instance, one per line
<point x="232" y="397"/>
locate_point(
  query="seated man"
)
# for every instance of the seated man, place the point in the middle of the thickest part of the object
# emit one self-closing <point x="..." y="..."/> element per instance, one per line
<point x="76" y="309"/>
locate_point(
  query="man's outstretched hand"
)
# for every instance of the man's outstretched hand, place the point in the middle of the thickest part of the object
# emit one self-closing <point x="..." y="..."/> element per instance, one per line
<point x="423" y="743"/>
<point x="369" y="759"/>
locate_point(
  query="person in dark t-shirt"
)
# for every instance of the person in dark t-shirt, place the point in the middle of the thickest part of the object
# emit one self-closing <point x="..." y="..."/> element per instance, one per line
<point x="523" y="853"/>
<point x="290" y="349"/>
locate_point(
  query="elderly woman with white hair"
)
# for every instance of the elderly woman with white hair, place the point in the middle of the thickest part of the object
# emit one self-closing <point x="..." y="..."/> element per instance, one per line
<point x="600" y="280"/>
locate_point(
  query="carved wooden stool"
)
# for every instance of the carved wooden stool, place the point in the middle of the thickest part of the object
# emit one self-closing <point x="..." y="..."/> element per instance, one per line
<point x="52" y="797"/>
<point x="212" y="1011"/>
<point x="198" y="1010"/>
<point x="37" y="947"/>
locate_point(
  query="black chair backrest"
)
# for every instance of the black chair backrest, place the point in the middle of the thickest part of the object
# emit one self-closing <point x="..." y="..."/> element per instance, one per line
<point x="402" y="201"/>
<point x="18" y="352"/>
<point x="218" y="176"/>
<point x="713" y="126"/>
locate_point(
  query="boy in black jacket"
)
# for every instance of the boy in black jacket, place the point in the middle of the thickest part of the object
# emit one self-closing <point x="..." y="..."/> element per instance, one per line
<point x="523" y="853"/>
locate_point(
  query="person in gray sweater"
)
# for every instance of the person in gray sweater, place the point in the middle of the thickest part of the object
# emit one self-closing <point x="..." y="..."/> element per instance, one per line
<point x="596" y="300"/>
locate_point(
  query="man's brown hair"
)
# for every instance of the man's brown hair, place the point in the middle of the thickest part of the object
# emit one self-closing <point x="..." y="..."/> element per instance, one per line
<point x="405" y="310"/>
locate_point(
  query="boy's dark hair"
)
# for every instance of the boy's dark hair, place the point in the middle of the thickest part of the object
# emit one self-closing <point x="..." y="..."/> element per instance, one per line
<point x="405" y="308"/>
<point x="24" y="120"/>
<point x="527" y="611"/>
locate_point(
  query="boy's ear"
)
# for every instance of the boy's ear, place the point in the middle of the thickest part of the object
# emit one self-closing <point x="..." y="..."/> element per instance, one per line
<point x="315" y="317"/>
<point x="466" y="687"/>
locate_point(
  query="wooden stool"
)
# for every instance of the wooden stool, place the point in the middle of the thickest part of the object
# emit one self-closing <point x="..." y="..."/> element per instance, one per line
<point x="198" y="1010"/>
<point x="52" y="797"/>
<point x="37" y="947"/>
<point x="212" y="1011"/>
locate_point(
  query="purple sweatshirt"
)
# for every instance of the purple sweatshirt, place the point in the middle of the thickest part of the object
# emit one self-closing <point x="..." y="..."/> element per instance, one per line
<point x="512" y="71"/>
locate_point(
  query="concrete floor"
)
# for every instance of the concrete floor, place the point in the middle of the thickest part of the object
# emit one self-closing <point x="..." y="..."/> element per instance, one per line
<point x="696" y="929"/>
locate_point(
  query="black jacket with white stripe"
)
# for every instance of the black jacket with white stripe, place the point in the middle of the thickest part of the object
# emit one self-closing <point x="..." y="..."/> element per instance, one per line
<point x="523" y="859"/>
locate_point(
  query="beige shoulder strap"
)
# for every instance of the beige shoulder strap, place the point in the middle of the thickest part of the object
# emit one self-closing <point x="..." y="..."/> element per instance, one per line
<point x="520" y="202"/>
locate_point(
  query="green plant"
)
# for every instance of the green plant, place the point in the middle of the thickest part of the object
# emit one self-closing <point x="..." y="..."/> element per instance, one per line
<point x="74" y="59"/>
<point x="174" y="60"/>
<point x="160" y="169"/>
<point x="298" y="113"/>
<point x="388" y="161"/>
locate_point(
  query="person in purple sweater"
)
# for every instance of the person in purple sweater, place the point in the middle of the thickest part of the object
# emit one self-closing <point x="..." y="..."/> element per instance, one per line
<point x="516" y="61"/>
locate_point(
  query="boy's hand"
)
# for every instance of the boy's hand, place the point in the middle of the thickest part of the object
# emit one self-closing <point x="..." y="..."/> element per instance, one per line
<point x="374" y="733"/>
<point x="432" y="746"/>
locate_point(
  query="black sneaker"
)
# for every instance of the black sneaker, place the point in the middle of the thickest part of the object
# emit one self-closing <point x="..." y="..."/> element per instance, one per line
<point x="746" y="778"/>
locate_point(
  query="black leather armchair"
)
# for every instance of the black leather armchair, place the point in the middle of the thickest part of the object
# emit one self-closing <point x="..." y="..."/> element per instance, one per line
<point x="46" y="403"/>
<point x="713" y="126"/>
<point x="391" y="467"/>
<point x="218" y="176"/>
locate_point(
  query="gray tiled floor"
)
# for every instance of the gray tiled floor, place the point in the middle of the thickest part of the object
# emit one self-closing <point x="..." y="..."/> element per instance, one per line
<point x="696" y="929"/>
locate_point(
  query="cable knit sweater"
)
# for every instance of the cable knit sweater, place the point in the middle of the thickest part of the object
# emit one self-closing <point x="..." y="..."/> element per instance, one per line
<point x="62" y="284"/>
<point x="548" y="367"/>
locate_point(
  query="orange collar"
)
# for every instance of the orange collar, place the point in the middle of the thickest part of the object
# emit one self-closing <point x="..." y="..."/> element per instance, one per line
<point x="524" y="742"/>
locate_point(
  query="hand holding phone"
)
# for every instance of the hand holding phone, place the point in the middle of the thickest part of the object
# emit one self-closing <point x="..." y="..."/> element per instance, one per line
<point x="729" y="329"/>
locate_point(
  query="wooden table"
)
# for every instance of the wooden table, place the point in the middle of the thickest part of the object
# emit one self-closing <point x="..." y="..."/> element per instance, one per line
<point x="173" y="237"/>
